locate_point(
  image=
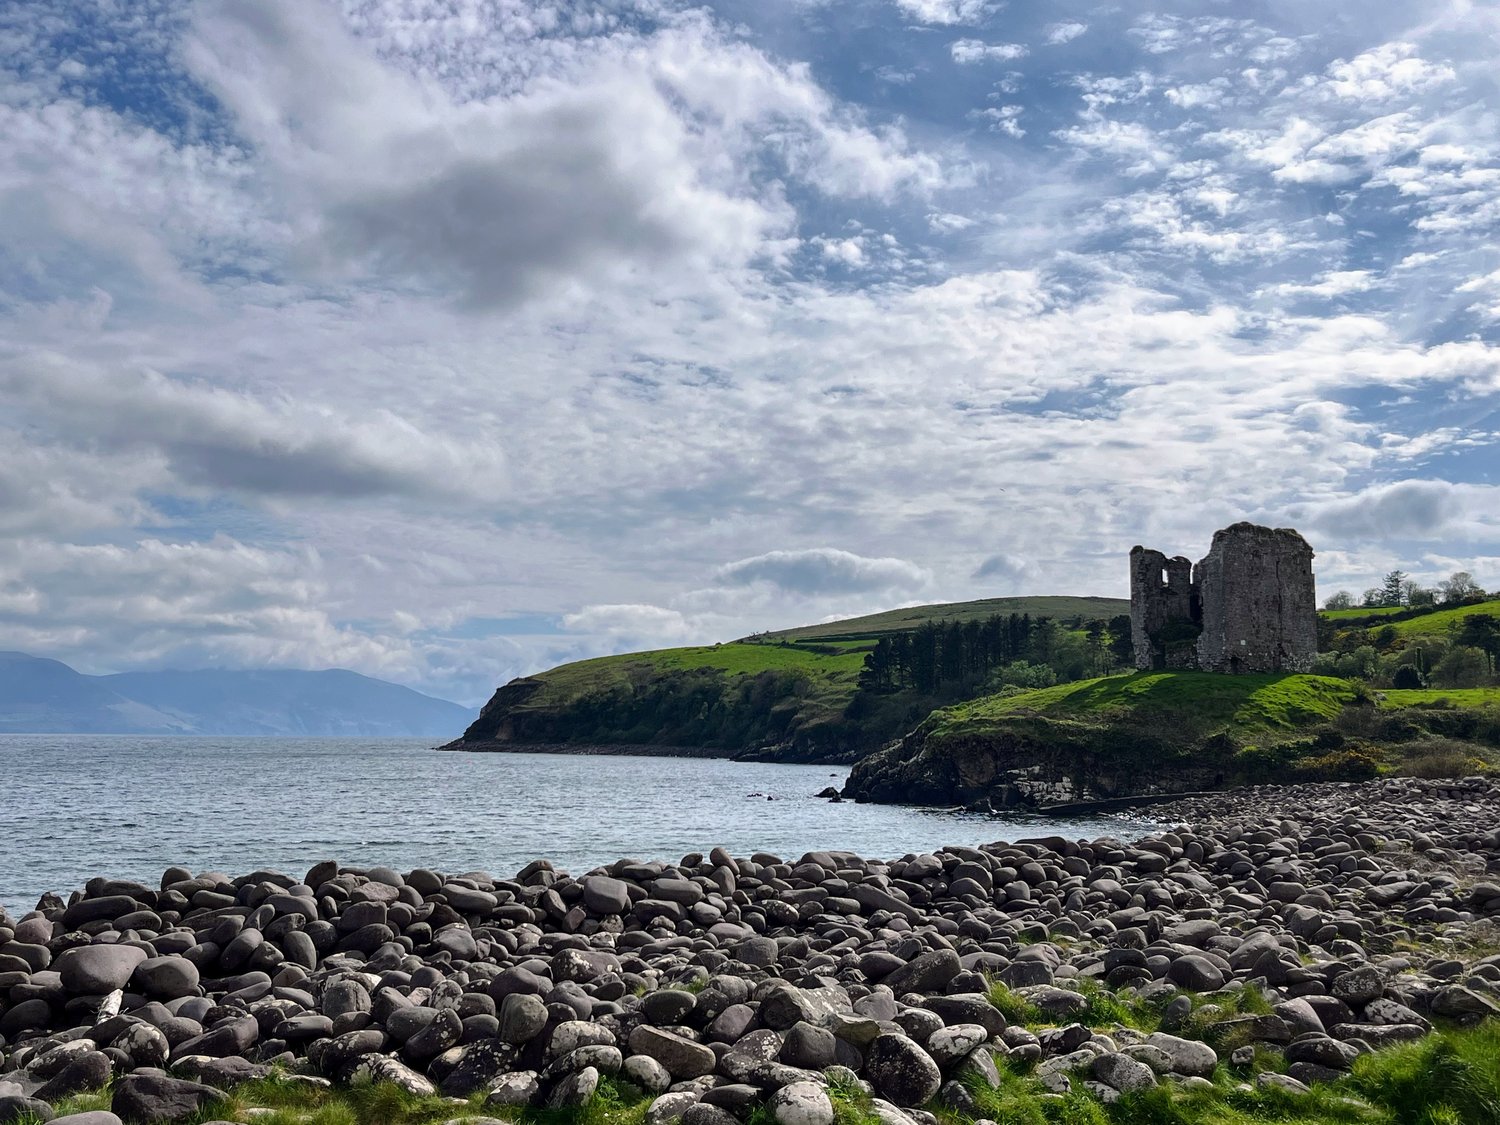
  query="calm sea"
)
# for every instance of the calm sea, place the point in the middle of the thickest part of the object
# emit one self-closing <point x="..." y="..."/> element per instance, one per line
<point x="76" y="806"/>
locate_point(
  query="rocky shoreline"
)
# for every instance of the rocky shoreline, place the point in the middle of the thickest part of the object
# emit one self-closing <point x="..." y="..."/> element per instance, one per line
<point x="1301" y="925"/>
<point x="625" y="749"/>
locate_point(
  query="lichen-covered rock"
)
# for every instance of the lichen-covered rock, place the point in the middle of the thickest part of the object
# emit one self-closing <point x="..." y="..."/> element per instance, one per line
<point x="901" y="1071"/>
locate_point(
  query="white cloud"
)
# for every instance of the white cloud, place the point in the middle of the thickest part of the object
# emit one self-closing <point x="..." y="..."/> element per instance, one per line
<point x="1130" y="142"/>
<point x="821" y="571"/>
<point x="977" y="50"/>
<point x="1007" y="574"/>
<point x="465" y="316"/>
<point x="1408" y="509"/>
<point x="1384" y="72"/>
<point x="629" y="621"/>
<point x="501" y="199"/>
<point x="1065" y="32"/>
<point x="947" y="222"/>
<point x="846" y="251"/>
<point x="1004" y="119"/>
<point x="946" y="12"/>
<point x="215" y="438"/>
<point x="250" y="605"/>
<point x="1212" y="35"/>
<point x="1198" y="95"/>
<point x="1332" y="283"/>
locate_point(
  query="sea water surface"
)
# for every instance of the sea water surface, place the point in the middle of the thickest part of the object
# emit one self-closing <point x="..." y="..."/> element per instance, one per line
<point x="73" y="807"/>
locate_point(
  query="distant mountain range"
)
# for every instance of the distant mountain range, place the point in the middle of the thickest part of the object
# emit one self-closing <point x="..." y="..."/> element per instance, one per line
<point x="39" y="696"/>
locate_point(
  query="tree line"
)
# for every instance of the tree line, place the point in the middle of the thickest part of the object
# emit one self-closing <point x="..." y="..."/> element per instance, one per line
<point x="1399" y="589"/>
<point x="939" y="655"/>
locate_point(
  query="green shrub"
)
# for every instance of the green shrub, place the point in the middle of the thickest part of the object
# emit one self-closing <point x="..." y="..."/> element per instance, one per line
<point x="1441" y="757"/>
<point x="1357" y="764"/>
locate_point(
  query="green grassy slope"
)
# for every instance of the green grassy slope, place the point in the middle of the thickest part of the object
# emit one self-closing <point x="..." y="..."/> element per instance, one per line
<point x="569" y="681"/>
<point x="1444" y="620"/>
<point x="1359" y="612"/>
<point x="1238" y="703"/>
<point x="1438" y="622"/>
<point x="1390" y="699"/>
<point x="1147" y="732"/>
<point x="901" y="620"/>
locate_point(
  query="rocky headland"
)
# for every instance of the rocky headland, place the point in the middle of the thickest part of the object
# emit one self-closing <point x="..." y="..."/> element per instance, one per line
<point x="1259" y="949"/>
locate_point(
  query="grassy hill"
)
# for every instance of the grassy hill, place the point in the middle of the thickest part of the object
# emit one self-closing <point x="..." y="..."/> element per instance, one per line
<point x="1163" y="732"/>
<point x="799" y="695"/>
<point x="875" y="625"/>
<point x="1236" y="703"/>
<point x="792" y="694"/>
<point x="1428" y="621"/>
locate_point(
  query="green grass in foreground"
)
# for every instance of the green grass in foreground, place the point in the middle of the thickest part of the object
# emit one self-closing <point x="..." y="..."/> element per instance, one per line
<point x="1239" y="702"/>
<point x="1450" y="1078"/>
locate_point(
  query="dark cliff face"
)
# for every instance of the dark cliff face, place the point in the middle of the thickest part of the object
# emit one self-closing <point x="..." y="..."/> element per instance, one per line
<point x="497" y="719"/>
<point x="698" y="712"/>
<point x="1031" y="762"/>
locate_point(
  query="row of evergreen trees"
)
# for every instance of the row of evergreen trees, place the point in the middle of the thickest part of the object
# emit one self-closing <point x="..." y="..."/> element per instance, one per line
<point x="937" y="655"/>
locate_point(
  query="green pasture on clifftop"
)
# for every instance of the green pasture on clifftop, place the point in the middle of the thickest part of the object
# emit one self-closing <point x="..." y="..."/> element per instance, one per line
<point x="875" y="625"/>
<point x="1258" y="702"/>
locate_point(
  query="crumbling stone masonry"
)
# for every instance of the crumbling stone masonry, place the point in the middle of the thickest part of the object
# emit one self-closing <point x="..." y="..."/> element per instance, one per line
<point x="1249" y="606"/>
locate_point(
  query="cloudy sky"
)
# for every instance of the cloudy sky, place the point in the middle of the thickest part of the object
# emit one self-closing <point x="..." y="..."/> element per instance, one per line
<point x="449" y="339"/>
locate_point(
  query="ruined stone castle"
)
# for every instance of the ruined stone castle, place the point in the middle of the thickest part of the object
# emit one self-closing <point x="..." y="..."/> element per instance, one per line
<point x="1248" y="606"/>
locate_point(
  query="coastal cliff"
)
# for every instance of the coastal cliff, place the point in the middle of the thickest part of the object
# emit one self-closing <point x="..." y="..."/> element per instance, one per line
<point x="1156" y="733"/>
<point x="829" y="694"/>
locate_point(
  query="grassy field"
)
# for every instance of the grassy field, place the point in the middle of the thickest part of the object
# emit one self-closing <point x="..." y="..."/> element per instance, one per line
<point x="1262" y="702"/>
<point x="1458" y="697"/>
<point x="568" y="681"/>
<point x="900" y="620"/>
<point x="1439" y="622"/>
<point x="1444" y="619"/>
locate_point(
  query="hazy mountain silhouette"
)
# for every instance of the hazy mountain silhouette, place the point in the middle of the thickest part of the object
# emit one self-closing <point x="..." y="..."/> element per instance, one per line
<point x="40" y="696"/>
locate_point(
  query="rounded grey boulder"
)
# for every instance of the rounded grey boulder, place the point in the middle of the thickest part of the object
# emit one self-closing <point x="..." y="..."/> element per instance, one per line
<point x="901" y="1071"/>
<point x="801" y="1103"/>
<point x="522" y="1017"/>
<point x="166" y="978"/>
<point x="682" y="1057"/>
<point x="94" y="970"/>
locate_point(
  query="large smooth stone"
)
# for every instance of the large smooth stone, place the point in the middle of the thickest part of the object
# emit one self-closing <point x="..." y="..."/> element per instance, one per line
<point x="801" y="1103"/>
<point x="94" y="970"/>
<point x="604" y="895"/>
<point x="166" y="978"/>
<point x="151" y="1098"/>
<point x="901" y="1071"/>
<point x="682" y="1057"/>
